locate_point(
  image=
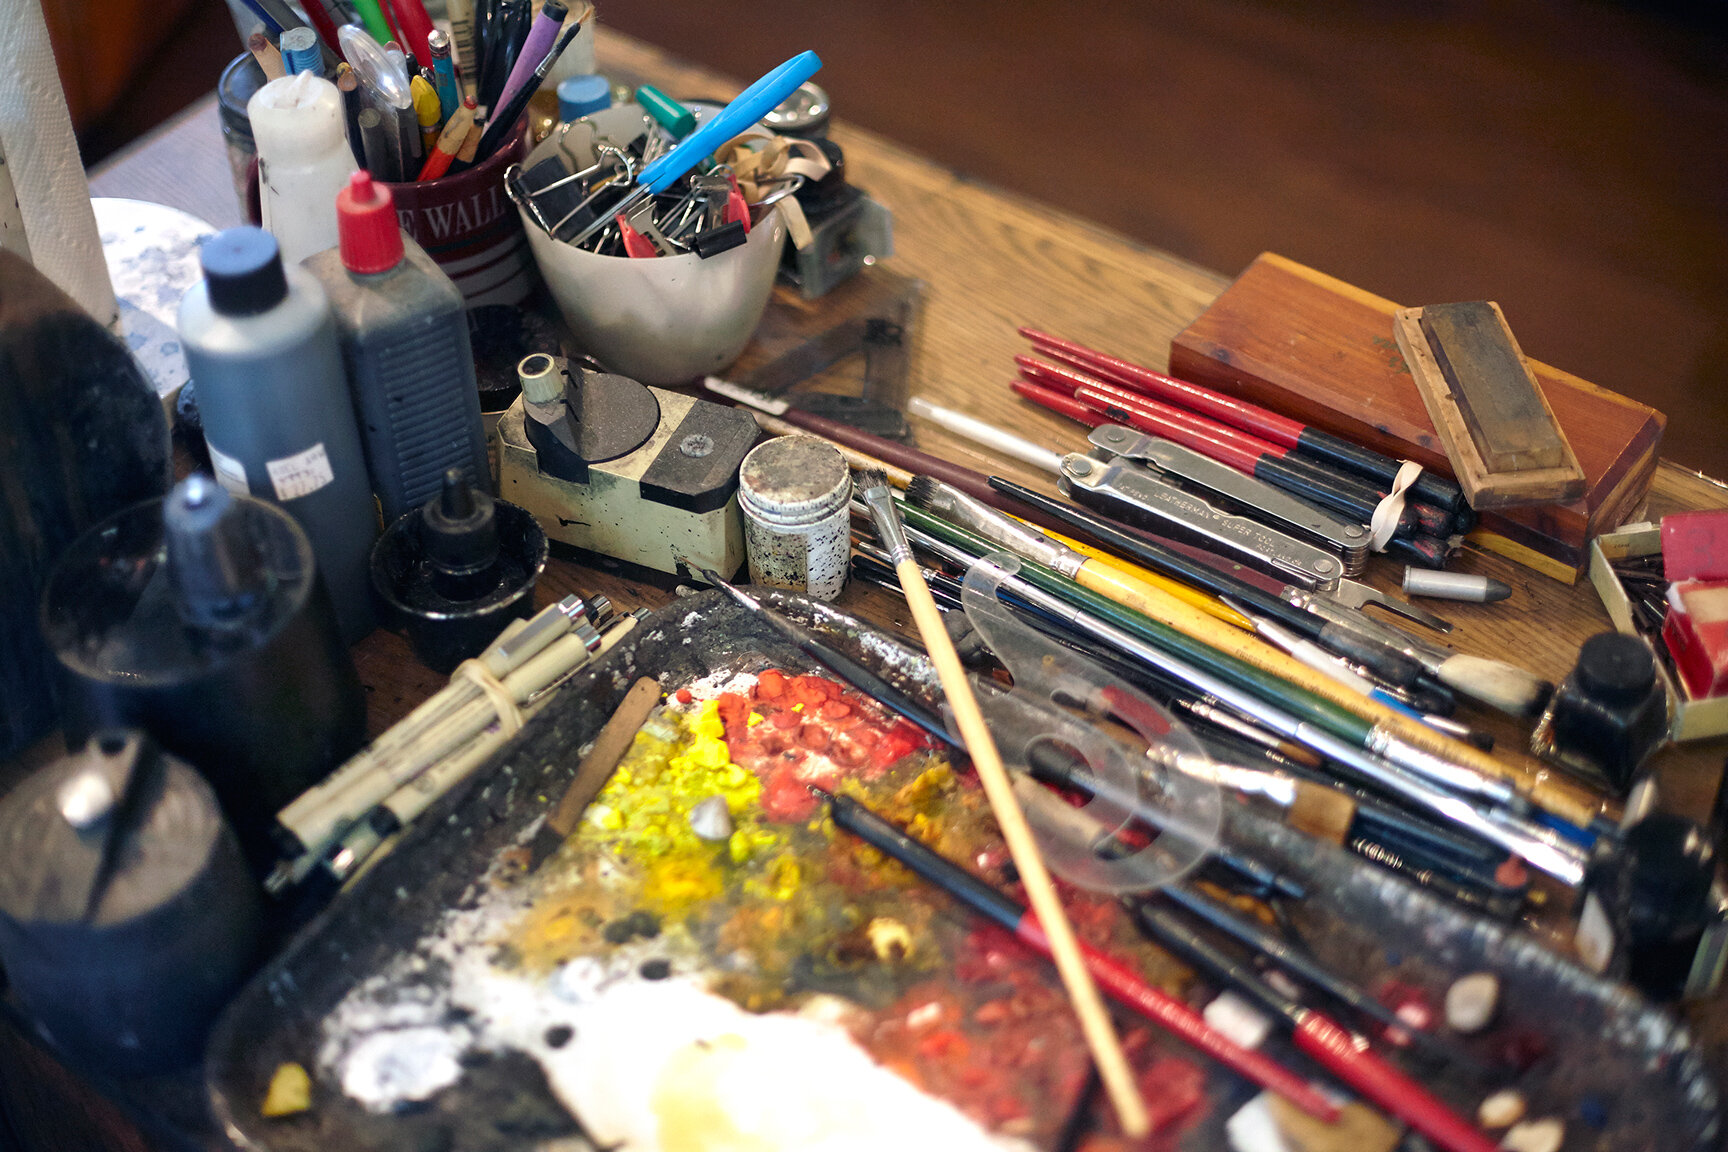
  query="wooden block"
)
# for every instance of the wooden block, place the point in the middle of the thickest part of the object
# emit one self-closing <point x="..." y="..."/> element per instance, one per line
<point x="1502" y="439"/>
<point x="1323" y="351"/>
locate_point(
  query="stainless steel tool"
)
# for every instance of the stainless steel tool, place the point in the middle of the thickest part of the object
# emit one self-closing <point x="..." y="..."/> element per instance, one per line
<point x="1272" y="505"/>
<point x="1124" y="489"/>
<point x="1354" y="594"/>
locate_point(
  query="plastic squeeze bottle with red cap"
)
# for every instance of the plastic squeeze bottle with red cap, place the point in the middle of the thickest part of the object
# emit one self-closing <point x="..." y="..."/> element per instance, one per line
<point x="404" y="337"/>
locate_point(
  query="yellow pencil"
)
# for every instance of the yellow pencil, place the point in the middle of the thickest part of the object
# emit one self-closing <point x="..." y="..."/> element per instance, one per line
<point x="427" y="111"/>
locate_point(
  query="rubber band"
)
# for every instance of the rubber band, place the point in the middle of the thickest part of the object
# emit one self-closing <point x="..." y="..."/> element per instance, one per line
<point x="1390" y="510"/>
<point x="509" y="715"/>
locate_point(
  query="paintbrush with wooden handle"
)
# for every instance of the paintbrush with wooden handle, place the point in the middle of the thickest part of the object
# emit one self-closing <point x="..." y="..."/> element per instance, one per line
<point x="872" y="487"/>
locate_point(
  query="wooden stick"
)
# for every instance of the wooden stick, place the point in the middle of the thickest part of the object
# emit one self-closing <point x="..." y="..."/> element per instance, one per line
<point x="1040" y="890"/>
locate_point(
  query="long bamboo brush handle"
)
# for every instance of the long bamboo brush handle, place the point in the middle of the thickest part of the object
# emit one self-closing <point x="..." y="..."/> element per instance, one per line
<point x="1095" y="1023"/>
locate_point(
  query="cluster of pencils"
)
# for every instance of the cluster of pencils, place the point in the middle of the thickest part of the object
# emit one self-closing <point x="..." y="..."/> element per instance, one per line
<point x="411" y="114"/>
<point x="1096" y="388"/>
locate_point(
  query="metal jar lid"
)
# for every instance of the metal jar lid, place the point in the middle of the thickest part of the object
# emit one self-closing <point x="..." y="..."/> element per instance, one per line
<point x="793" y="480"/>
<point x="804" y="113"/>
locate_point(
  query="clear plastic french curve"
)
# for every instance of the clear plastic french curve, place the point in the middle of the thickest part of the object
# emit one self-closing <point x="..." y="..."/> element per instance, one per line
<point x="1168" y="817"/>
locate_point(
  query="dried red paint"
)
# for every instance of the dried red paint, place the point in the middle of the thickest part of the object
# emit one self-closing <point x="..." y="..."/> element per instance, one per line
<point x="809" y="730"/>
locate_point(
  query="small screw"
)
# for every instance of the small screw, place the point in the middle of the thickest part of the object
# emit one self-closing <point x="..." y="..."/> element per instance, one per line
<point x="1080" y="467"/>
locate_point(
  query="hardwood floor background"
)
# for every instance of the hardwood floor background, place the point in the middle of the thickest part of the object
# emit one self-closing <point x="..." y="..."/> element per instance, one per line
<point x="1568" y="158"/>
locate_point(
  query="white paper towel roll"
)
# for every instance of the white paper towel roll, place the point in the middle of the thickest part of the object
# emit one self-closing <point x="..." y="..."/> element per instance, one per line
<point x="41" y="157"/>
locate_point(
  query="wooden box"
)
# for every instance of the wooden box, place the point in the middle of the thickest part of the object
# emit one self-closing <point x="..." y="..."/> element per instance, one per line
<point x="1322" y="351"/>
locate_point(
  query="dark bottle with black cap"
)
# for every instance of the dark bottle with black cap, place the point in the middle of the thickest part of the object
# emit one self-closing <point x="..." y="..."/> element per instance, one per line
<point x="261" y="347"/>
<point x="403" y="329"/>
<point x="1611" y="712"/>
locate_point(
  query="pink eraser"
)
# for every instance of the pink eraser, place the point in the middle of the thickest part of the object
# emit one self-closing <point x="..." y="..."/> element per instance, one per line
<point x="1696" y="633"/>
<point x="1695" y="545"/>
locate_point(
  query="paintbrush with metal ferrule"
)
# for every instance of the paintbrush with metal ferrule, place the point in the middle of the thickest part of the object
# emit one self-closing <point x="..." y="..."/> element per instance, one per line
<point x="1127" y="987"/>
<point x="1513" y="690"/>
<point x="872" y="489"/>
<point x="1343" y="737"/>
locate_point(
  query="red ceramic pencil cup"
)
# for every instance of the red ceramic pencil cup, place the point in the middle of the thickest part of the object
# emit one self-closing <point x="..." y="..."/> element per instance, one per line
<point x="468" y="225"/>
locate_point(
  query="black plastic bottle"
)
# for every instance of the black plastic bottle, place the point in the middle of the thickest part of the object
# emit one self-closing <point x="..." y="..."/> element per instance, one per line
<point x="261" y="348"/>
<point x="404" y="336"/>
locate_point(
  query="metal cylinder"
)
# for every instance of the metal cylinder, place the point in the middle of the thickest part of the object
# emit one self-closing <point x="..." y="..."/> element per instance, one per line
<point x="795" y="493"/>
<point x="1454" y="586"/>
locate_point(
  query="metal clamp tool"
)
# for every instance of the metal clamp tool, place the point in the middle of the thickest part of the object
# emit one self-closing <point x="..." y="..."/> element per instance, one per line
<point x="1123" y="488"/>
<point x="1273" y="505"/>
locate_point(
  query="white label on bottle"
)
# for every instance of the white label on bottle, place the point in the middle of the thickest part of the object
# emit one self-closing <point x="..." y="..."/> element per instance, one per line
<point x="300" y="474"/>
<point x="230" y="473"/>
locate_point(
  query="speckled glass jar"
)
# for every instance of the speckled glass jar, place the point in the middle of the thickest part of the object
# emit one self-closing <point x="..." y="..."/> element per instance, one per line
<point x="795" y="493"/>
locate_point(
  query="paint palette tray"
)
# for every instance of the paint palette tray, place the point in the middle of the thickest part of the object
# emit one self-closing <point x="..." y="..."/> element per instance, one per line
<point x="1623" y="1074"/>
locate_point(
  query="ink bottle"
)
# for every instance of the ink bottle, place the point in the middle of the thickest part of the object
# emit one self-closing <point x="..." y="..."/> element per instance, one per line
<point x="403" y="330"/>
<point x="261" y="349"/>
<point x="1611" y="712"/>
<point x="795" y="493"/>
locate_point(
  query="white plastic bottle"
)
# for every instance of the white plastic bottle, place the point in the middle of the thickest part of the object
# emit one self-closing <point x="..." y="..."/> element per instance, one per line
<point x="303" y="161"/>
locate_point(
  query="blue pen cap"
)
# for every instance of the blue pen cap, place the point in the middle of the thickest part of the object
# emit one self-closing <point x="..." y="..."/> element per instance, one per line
<point x="299" y="48"/>
<point x="580" y="96"/>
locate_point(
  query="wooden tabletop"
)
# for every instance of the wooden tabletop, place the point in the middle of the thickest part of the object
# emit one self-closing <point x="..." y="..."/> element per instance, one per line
<point x="990" y="261"/>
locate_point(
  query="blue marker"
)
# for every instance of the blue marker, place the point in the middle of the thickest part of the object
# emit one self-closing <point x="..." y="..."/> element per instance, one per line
<point x="443" y="74"/>
<point x="300" y="52"/>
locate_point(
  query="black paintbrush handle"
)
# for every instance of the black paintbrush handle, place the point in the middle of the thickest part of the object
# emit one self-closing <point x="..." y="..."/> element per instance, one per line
<point x="1305" y="480"/>
<point x="1428" y="551"/>
<point x="1350" y="497"/>
<point x="1161" y="926"/>
<point x="1434" y="489"/>
<point x="1387" y="665"/>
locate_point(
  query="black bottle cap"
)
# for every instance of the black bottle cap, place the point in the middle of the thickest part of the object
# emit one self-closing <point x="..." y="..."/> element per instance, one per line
<point x="459" y="528"/>
<point x="1615" y="668"/>
<point x="243" y="268"/>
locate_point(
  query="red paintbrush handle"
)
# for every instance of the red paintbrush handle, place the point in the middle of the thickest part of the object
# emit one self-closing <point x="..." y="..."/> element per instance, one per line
<point x="1223" y="449"/>
<point x="1073" y="382"/>
<point x="1058" y="402"/>
<point x="1062" y="378"/>
<point x="1169" y="1013"/>
<point x="1237" y="413"/>
<point x="1387" y="1087"/>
